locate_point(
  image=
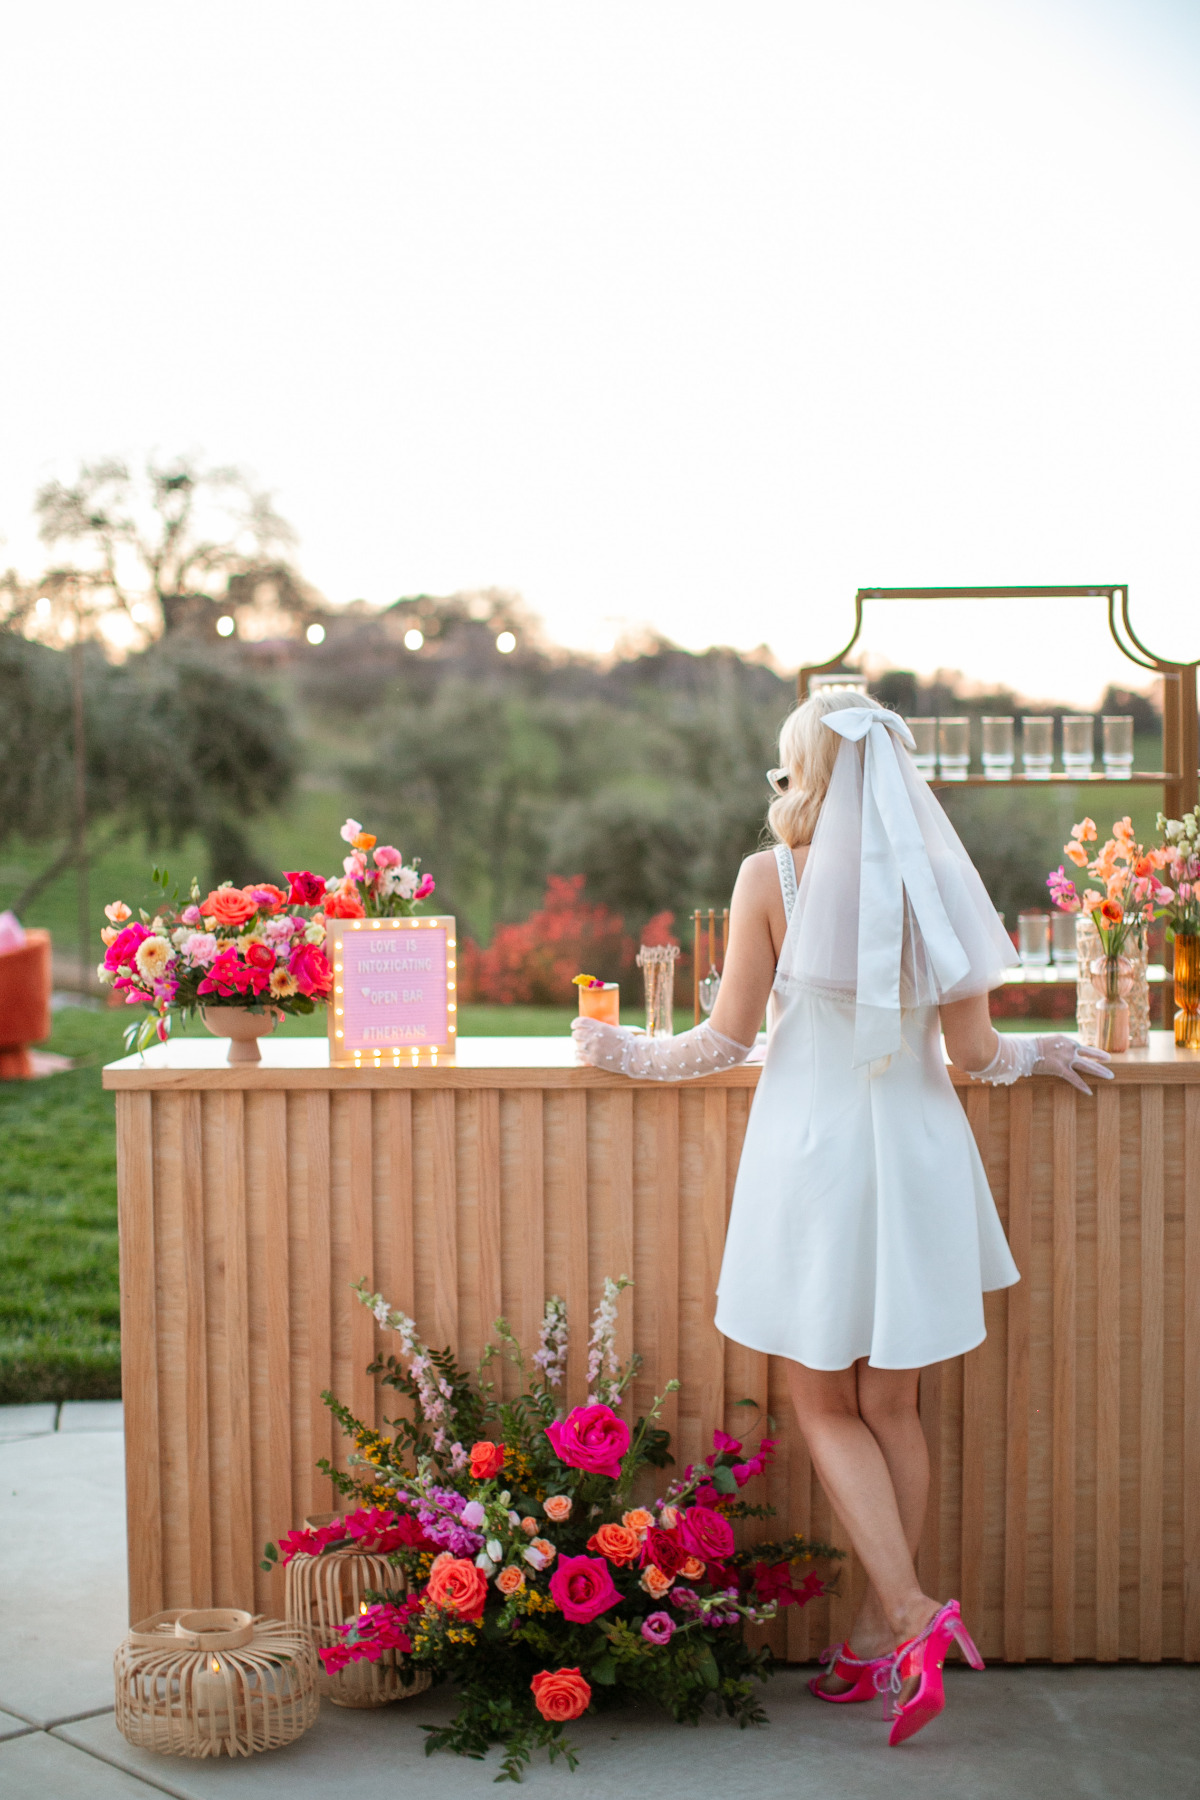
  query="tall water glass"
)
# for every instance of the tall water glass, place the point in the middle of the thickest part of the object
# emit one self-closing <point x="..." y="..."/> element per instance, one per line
<point x="1062" y="939"/>
<point x="1037" y="747"/>
<point x="1079" y="744"/>
<point x="1118" y="746"/>
<point x="998" y="750"/>
<point x="954" y="749"/>
<point x="925" y="737"/>
<point x="1033" y="939"/>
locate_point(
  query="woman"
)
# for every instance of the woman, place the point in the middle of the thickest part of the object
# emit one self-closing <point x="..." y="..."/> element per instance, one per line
<point x="863" y="1233"/>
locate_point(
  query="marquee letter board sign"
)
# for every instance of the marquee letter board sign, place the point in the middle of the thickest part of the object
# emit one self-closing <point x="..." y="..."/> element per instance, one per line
<point x="394" y="998"/>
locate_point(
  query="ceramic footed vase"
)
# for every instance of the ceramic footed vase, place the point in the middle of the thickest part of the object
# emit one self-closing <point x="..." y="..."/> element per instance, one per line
<point x="242" y="1028"/>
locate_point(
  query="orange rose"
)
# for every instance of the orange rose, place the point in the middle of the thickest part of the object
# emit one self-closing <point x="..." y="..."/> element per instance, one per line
<point x="266" y="895"/>
<point x="228" y="906"/>
<point x="692" y="1569"/>
<point x="529" y="1527"/>
<point x="655" y="1582"/>
<point x="560" y="1694"/>
<point x="487" y="1459"/>
<point x="343" y="906"/>
<point x="457" y="1586"/>
<point x="510" y="1580"/>
<point x="617" y="1543"/>
<point x="638" y="1519"/>
<point x="557" y="1508"/>
<point x="545" y="1550"/>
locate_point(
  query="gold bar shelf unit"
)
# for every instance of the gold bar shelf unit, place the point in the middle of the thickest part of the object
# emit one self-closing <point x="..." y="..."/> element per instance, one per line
<point x="1179" y="779"/>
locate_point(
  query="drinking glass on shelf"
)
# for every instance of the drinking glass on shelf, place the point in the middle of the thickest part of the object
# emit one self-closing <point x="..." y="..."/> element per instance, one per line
<point x="1033" y="939"/>
<point x="954" y="749"/>
<point x="1062" y="939"/>
<point x="1037" y="747"/>
<point x="998" y="750"/>
<point x="925" y="737"/>
<point x="1079" y="743"/>
<point x="1118" y="746"/>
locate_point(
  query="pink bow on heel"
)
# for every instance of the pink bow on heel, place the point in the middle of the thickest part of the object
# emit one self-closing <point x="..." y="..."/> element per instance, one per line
<point x="925" y="1655"/>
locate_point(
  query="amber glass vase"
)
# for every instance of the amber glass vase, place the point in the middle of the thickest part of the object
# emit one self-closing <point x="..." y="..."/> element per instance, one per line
<point x="1112" y="978"/>
<point x="1187" y="991"/>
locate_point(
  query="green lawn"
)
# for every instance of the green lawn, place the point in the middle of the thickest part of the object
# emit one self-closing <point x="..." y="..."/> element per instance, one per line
<point x="59" y="1321"/>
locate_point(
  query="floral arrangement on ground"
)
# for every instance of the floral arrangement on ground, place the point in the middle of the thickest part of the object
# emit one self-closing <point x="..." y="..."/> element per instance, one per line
<point x="527" y="1575"/>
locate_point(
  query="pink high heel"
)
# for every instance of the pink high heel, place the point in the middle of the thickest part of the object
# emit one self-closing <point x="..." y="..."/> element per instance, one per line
<point x="848" y="1667"/>
<point x="925" y="1655"/>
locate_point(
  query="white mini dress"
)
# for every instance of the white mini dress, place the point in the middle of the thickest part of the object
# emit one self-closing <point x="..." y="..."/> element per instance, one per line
<point x="862" y="1221"/>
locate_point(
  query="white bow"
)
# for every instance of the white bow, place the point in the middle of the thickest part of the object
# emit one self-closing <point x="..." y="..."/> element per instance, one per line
<point x="894" y="863"/>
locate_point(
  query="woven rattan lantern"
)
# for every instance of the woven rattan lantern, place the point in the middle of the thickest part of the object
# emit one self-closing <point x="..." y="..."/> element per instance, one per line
<point x="216" y="1683"/>
<point x="326" y="1591"/>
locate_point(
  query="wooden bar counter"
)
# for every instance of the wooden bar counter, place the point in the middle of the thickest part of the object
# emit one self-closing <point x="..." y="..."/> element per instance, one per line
<point x="1065" y="1510"/>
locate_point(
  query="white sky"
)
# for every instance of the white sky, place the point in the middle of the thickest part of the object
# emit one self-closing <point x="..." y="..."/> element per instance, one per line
<point x="671" y="312"/>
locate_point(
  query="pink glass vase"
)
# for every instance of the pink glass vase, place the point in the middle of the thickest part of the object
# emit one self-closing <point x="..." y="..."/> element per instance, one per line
<point x="1112" y="978"/>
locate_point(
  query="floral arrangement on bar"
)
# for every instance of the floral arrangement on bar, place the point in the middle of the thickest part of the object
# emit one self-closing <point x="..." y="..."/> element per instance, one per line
<point x="391" y="889"/>
<point x="532" y="1580"/>
<point x="1130" y="890"/>
<point x="258" y="948"/>
<point x="1180" y="862"/>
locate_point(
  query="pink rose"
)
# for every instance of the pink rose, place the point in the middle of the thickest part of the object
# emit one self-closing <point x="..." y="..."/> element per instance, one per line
<point x="387" y="858"/>
<point x="191" y="915"/>
<point x="309" y="968"/>
<point x="591" y="1438"/>
<point x="706" y="1534"/>
<point x="582" y="1588"/>
<point x="124" y="946"/>
<point x="307" y="889"/>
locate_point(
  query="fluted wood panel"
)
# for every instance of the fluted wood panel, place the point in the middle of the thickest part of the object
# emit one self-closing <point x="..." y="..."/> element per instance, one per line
<point x="1065" y="1497"/>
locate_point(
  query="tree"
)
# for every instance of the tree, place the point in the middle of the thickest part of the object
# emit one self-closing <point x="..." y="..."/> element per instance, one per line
<point x="169" y="551"/>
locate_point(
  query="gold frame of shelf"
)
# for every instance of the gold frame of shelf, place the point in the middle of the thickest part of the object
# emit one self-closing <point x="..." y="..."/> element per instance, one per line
<point x="1181" y="730"/>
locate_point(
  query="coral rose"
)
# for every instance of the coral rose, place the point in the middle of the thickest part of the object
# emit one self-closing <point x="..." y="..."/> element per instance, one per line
<point x="692" y="1569"/>
<point x="582" y="1588"/>
<point x="706" y="1534"/>
<point x="638" y="1519"/>
<point x="228" y="906"/>
<point x="343" y="906"/>
<point x="591" y="1438"/>
<point x="457" y="1586"/>
<point x="510" y="1580"/>
<point x="655" y="1582"/>
<point x="617" y="1543"/>
<point x="557" y="1508"/>
<point x="487" y="1459"/>
<point x="529" y="1526"/>
<point x="560" y="1694"/>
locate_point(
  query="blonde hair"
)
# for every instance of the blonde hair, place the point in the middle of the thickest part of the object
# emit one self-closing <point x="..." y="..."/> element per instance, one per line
<point x="808" y="752"/>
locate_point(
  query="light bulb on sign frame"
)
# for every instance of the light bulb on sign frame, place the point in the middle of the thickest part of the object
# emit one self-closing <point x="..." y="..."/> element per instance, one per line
<point x="226" y="626"/>
<point x="506" y="643"/>
<point x="315" y="634"/>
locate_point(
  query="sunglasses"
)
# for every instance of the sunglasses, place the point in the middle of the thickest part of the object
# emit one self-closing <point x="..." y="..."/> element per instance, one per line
<point x="779" y="780"/>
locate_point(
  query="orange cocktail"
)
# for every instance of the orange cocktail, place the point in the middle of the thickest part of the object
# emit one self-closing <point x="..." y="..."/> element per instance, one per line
<point x="602" y="1002"/>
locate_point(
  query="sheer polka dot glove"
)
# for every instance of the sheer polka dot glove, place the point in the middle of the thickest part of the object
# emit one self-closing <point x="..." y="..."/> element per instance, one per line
<point x="1017" y="1057"/>
<point x="697" y="1052"/>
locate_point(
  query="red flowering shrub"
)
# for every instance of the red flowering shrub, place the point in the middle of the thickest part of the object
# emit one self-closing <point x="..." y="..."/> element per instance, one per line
<point x="533" y="963"/>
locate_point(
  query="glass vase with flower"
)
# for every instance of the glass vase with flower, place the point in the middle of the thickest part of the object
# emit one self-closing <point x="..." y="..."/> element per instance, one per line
<point x="1181" y="867"/>
<point x="1120" y="910"/>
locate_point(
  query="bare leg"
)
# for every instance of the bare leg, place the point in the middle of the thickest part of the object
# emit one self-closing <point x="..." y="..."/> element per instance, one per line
<point x="855" y="1473"/>
<point x="887" y="1405"/>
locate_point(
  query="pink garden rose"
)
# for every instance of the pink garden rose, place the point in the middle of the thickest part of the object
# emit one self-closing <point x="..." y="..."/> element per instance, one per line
<point x="124" y="946"/>
<point x="591" y="1438"/>
<point x="658" y="1628"/>
<point x="386" y="857"/>
<point x="582" y="1588"/>
<point x="309" y="968"/>
<point x="706" y="1534"/>
<point x="307" y="889"/>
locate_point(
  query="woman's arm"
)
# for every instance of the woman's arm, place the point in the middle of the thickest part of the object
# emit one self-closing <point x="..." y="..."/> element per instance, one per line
<point x="974" y="1045"/>
<point x="728" y="1037"/>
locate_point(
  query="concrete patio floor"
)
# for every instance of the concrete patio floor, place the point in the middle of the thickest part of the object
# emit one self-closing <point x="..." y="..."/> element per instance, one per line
<point x="1011" y="1734"/>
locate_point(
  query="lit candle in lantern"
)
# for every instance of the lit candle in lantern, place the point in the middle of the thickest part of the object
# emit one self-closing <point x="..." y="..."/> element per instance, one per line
<point x="212" y="1697"/>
